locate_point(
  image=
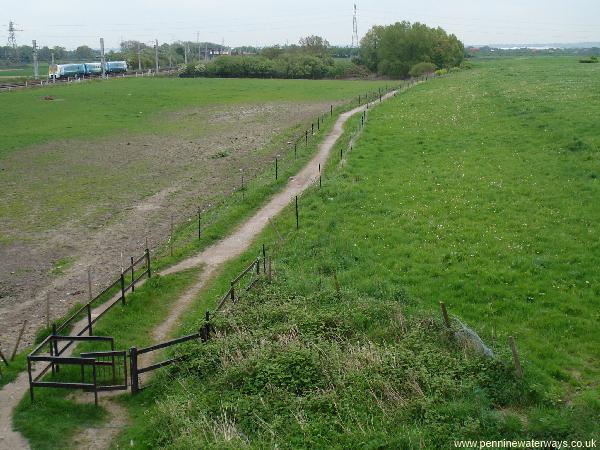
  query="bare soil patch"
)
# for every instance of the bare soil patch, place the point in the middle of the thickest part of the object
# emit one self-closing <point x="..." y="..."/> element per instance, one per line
<point x="92" y="202"/>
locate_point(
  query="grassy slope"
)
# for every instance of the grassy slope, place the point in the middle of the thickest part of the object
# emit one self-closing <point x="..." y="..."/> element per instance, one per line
<point x="101" y="108"/>
<point x="477" y="189"/>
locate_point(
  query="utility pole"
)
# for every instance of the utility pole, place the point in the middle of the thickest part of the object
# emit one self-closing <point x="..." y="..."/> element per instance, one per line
<point x="52" y="56"/>
<point x="102" y="58"/>
<point x="36" y="68"/>
<point x="157" y="66"/>
<point x="355" y="42"/>
<point x="12" y="38"/>
<point x="206" y="51"/>
<point x="139" y="56"/>
<point x="198" y="43"/>
<point x="185" y="52"/>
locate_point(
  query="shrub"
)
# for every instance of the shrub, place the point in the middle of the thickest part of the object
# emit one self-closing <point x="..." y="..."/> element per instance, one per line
<point x="421" y="69"/>
<point x="590" y="60"/>
<point x="441" y="72"/>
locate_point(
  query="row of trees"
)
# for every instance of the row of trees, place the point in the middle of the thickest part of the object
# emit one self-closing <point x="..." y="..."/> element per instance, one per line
<point x="394" y="50"/>
<point x="311" y="58"/>
<point x="23" y="54"/>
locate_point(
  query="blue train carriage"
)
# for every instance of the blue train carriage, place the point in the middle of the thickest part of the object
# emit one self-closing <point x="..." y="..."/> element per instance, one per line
<point x="116" y="67"/>
<point x="93" y="68"/>
<point x="66" y="70"/>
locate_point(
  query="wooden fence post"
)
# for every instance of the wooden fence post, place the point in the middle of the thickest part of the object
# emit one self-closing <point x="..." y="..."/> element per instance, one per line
<point x="445" y="314"/>
<point x="270" y="270"/>
<point x="306" y="137"/>
<point x="132" y="275"/>
<point x="89" y="317"/>
<point x="199" y="224"/>
<point x="14" y="353"/>
<point x="47" y="309"/>
<point x="89" y="280"/>
<point x="208" y="327"/>
<point x="55" y="346"/>
<point x="171" y="236"/>
<point x="122" y="288"/>
<point x="232" y="290"/>
<point x="312" y="128"/>
<point x="257" y="266"/>
<point x="148" y="262"/>
<point x="135" y="386"/>
<point x="276" y="169"/>
<point x="264" y="252"/>
<point x="297" y="218"/>
<point x="318" y="124"/>
<point x="331" y="111"/>
<point x="516" y="359"/>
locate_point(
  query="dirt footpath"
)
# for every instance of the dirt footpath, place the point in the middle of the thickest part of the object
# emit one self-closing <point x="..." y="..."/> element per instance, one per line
<point x="68" y="205"/>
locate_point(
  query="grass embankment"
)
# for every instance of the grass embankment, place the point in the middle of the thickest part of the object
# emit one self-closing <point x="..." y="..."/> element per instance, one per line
<point x="477" y="189"/>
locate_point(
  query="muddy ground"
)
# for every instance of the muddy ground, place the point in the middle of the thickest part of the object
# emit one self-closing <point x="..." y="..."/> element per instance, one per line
<point x="68" y="205"/>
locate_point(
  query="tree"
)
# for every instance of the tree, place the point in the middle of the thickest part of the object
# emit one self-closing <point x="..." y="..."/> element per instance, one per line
<point x="394" y="49"/>
<point x="314" y="45"/>
<point x="84" y="53"/>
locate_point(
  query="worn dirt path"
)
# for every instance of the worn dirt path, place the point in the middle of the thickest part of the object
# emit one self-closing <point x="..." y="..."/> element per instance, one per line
<point x="211" y="258"/>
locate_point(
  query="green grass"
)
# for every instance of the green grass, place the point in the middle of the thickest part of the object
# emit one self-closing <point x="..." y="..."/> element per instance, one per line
<point x="130" y="325"/>
<point x="53" y="419"/>
<point x="22" y="73"/>
<point x="478" y="189"/>
<point x="101" y="108"/>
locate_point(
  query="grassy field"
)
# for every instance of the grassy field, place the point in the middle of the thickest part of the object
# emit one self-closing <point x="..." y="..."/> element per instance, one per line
<point x="478" y="189"/>
<point x="23" y="72"/>
<point x="99" y="108"/>
<point x="103" y="165"/>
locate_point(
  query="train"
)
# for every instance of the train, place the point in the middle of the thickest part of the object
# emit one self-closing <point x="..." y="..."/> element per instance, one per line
<point x="80" y="70"/>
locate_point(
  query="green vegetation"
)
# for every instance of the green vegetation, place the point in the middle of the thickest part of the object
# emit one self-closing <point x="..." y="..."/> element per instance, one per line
<point x="472" y="189"/>
<point x="101" y="108"/>
<point x="311" y="60"/>
<point x="61" y="265"/>
<point x="53" y="419"/>
<point x="395" y="50"/>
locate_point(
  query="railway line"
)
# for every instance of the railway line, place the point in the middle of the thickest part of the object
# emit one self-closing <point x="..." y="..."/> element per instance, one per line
<point x="27" y="84"/>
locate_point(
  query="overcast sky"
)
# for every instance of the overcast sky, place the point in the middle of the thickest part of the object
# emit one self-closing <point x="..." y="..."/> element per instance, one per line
<point x="266" y="22"/>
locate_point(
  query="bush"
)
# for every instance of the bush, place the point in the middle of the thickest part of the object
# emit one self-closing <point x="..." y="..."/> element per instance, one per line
<point x="441" y="72"/>
<point x="421" y="69"/>
<point x="297" y="65"/>
<point x="590" y="60"/>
